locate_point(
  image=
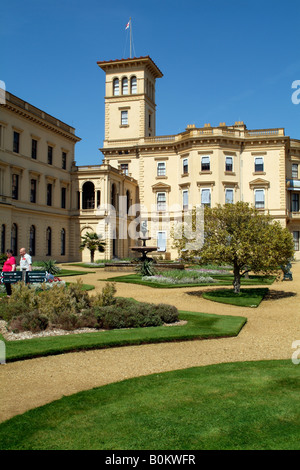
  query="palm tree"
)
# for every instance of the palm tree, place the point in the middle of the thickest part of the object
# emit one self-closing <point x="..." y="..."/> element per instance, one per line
<point x="92" y="241"/>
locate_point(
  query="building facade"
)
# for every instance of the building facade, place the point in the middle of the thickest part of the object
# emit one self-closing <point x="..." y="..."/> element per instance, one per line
<point x="47" y="202"/>
<point x="201" y="165"/>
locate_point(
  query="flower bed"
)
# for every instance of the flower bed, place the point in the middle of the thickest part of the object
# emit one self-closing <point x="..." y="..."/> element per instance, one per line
<point x="176" y="277"/>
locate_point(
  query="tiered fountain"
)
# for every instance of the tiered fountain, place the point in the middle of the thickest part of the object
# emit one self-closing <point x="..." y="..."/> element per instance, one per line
<point x="144" y="250"/>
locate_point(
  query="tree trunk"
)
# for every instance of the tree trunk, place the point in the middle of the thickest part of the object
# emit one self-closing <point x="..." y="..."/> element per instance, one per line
<point x="236" y="280"/>
<point x="92" y="255"/>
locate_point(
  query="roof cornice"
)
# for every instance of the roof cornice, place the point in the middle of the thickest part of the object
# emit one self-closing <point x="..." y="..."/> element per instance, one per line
<point x="136" y="61"/>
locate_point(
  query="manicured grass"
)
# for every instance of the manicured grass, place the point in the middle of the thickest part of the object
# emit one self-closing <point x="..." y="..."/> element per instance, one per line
<point x="86" y="265"/>
<point x="199" y="326"/>
<point x="73" y="272"/>
<point x="238" y="406"/>
<point x="223" y="280"/>
<point x="246" y="298"/>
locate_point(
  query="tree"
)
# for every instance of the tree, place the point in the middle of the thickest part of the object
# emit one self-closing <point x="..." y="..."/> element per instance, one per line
<point x="239" y="235"/>
<point x="92" y="241"/>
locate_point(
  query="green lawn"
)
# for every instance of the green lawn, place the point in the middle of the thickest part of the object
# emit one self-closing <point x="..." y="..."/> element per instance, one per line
<point x="73" y="272"/>
<point x="238" y="406"/>
<point x="250" y="297"/>
<point x="199" y="326"/>
<point x="86" y="265"/>
<point x="223" y="280"/>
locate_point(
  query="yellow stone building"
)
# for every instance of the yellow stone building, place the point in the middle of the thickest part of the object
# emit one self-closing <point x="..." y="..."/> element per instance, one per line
<point x="47" y="202"/>
<point x="201" y="165"/>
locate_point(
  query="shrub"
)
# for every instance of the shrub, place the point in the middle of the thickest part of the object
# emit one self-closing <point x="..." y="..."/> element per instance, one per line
<point x="168" y="313"/>
<point x="106" y="297"/>
<point x="32" y="321"/>
<point x="3" y="258"/>
<point x="145" y="268"/>
<point x="126" y="313"/>
<point x="88" y="319"/>
<point x="50" y="267"/>
<point x="80" y="296"/>
<point x="115" y="317"/>
<point x="69" y="308"/>
<point x="67" y="321"/>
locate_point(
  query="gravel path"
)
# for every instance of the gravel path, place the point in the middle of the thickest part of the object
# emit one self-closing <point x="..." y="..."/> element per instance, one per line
<point x="268" y="334"/>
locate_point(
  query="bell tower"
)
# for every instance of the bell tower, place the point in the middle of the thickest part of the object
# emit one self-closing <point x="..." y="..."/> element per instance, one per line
<point x="130" y="109"/>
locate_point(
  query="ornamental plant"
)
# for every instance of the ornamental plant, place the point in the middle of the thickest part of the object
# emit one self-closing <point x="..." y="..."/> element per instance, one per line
<point x="243" y="237"/>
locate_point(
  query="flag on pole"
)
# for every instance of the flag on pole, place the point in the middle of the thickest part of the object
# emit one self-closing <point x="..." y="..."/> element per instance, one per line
<point x="127" y="26"/>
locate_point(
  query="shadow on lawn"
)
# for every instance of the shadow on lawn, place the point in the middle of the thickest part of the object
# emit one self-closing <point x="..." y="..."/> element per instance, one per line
<point x="270" y="295"/>
<point x="278" y="294"/>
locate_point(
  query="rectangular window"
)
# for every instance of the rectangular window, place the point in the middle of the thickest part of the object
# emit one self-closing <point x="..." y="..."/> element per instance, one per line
<point x="205" y="164"/>
<point x="33" y="191"/>
<point x="185" y="166"/>
<point x="295" y="170"/>
<point x="161" y="202"/>
<point x="296" y="240"/>
<point x="15" y="187"/>
<point x="229" y="196"/>
<point x="161" y="241"/>
<point x="124" y="118"/>
<point x="64" y="160"/>
<point x="161" y="169"/>
<point x="258" y="164"/>
<point x="295" y="202"/>
<point x="149" y="122"/>
<point x="229" y="164"/>
<point x="33" y="149"/>
<point x="16" y="142"/>
<point x="50" y="155"/>
<point x="124" y="168"/>
<point x="49" y="194"/>
<point x="185" y="200"/>
<point x="63" y="198"/>
<point x="260" y="198"/>
<point x="205" y="197"/>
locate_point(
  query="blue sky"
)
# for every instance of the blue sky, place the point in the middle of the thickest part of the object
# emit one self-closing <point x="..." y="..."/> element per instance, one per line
<point x="222" y="61"/>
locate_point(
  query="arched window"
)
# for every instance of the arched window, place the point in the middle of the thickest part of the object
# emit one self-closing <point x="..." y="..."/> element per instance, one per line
<point x="125" y="86"/>
<point x="3" y="235"/>
<point x="88" y="195"/>
<point x="63" y="242"/>
<point x="32" y="240"/>
<point x="133" y="85"/>
<point x="14" y="239"/>
<point x="48" y="241"/>
<point x="113" y="198"/>
<point x="128" y="200"/>
<point x="116" y="87"/>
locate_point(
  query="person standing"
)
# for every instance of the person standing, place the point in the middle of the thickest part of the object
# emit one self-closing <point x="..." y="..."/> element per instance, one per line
<point x="9" y="265"/>
<point x="25" y="262"/>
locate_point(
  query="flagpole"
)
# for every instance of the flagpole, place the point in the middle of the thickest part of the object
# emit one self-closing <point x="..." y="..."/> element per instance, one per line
<point x="130" y="38"/>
